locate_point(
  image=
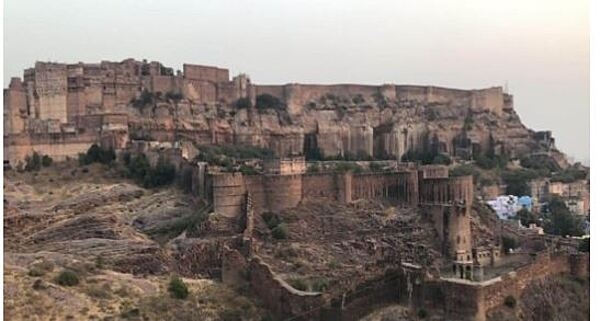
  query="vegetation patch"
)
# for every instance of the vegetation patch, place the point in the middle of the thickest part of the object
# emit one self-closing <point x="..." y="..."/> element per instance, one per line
<point x="319" y="284"/>
<point x="560" y="221"/>
<point x="426" y="158"/>
<point x="280" y="232"/>
<point x="298" y="284"/>
<point x="266" y="101"/>
<point x="178" y="288"/>
<point x="96" y="154"/>
<point x="140" y="170"/>
<point x="243" y="103"/>
<point x="509" y="243"/>
<point x="343" y="167"/>
<point x="227" y="155"/>
<point x="67" y="278"/>
<point x="35" y="162"/>
<point x="510" y="301"/>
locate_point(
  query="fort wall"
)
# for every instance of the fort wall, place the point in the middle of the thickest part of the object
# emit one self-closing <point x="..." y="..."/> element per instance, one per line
<point x="15" y="107"/>
<point x="277" y="91"/>
<point x="433" y="171"/>
<point x="165" y="84"/>
<point x="17" y="149"/>
<point x="280" y="298"/>
<point x="64" y="92"/>
<point x="228" y="194"/>
<point x="447" y="201"/>
<point x="205" y="73"/>
<point x="465" y="300"/>
<point x="284" y="166"/>
<point x="453" y="190"/>
<point x="284" y="301"/>
<point x="51" y="88"/>
<point x="274" y="193"/>
<point x="398" y="186"/>
<point x="320" y="186"/>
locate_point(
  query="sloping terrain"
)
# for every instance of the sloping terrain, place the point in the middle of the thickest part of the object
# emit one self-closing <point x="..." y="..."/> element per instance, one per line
<point x="118" y="240"/>
<point x="554" y="299"/>
<point x="332" y="243"/>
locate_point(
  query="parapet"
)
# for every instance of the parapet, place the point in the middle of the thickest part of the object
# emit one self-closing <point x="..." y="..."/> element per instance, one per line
<point x="205" y="73"/>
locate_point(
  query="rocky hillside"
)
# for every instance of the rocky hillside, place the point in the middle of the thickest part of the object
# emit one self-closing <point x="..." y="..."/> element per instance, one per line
<point x="561" y="298"/>
<point x="350" y="125"/>
<point x="120" y="241"/>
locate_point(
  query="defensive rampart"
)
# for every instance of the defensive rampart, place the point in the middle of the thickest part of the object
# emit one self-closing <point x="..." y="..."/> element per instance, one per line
<point x="59" y="146"/>
<point x="466" y="300"/>
<point x="273" y="192"/>
<point x="297" y="95"/>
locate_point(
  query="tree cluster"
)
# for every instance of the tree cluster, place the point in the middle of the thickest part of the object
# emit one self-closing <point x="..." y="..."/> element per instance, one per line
<point x="560" y="221"/>
<point x="517" y="181"/>
<point x="35" y="162"/>
<point x="266" y="101"/>
<point x="139" y="169"/>
<point x="97" y="154"/>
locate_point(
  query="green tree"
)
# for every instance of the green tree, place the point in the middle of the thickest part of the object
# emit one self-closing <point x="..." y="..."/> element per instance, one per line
<point x="441" y="159"/>
<point x="266" y="101"/>
<point x="46" y="161"/>
<point x="243" y="103"/>
<point x="313" y="168"/>
<point x="510" y="301"/>
<point x="280" y="232"/>
<point x="517" y="182"/>
<point x="343" y="167"/>
<point x="33" y="163"/>
<point x="509" y="243"/>
<point x="560" y="221"/>
<point x="526" y="217"/>
<point x="97" y="154"/>
<point x="178" y="288"/>
<point x="67" y="278"/>
<point x="375" y="167"/>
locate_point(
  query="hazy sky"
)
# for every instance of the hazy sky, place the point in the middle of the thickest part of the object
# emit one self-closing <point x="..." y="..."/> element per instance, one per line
<point x="540" y="48"/>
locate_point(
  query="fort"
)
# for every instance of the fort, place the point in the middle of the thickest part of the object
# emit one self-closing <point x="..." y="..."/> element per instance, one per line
<point x="464" y="294"/>
<point x="56" y="108"/>
<point x="406" y="229"/>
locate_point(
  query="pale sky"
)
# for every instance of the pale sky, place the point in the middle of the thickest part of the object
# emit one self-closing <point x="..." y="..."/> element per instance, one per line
<point x="539" y="48"/>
